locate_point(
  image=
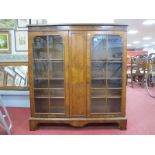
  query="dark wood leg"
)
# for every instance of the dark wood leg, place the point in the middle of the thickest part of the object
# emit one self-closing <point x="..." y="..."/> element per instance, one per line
<point x="123" y="124"/>
<point x="33" y="125"/>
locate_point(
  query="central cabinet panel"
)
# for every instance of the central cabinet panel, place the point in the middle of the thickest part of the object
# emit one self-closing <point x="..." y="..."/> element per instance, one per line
<point x="77" y="51"/>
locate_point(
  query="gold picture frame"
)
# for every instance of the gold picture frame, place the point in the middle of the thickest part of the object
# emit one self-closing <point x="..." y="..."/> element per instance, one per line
<point x="2" y="78"/>
<point x="5" y="42"/>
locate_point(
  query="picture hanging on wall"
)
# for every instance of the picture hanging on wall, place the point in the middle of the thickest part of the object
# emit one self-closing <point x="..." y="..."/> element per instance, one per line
<point x="2" y="77"/>
<point x="5" y="42"/>
<point x="8" y="23"/>
<point x="21" y="39"/>
<point x="10" y="80"/>
<point x="22" y="23"/>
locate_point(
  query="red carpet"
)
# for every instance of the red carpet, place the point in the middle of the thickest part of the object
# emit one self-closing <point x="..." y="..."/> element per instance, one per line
<point x="140" y="114"/>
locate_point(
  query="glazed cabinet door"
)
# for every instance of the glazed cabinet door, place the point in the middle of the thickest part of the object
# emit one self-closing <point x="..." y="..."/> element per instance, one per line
<point x="48" y="67"/>
<point x="105" y="74"/>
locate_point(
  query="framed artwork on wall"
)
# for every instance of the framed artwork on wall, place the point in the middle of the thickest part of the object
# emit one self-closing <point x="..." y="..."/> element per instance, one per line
<point x="8" y="23"/>
<point x="22" y="23"/>
<point x="2" y="78"/>
<point x="5" y="43"/>
<point x="21" y="40"/>
<point x="10" y="80"/>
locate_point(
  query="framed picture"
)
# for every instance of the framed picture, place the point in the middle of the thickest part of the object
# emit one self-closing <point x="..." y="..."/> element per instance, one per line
<point x="2" y="78"/>
<point x="22" y="23"/>
<point x="7" y="23"/>
<point x="10" y="80"/>
<point x="17" y="80"/>
<point x="5" y="42"/>
<point x="21" y="39"/>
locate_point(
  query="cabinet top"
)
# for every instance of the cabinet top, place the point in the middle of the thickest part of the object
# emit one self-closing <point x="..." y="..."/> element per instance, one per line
<point x="79" y="26"/>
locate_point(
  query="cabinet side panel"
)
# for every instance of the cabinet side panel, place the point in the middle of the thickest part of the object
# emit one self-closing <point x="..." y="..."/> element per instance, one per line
<point x="78" y="74"/>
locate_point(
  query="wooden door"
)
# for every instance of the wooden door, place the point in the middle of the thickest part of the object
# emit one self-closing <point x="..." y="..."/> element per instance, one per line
<point x="106" y="74"/>
<point x="48" y="74"/>
<point x="77" y="73"/>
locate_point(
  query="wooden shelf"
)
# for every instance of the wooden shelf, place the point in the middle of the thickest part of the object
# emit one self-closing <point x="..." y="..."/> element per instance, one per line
<point x="100" y="97"/>
<point x="56" y="97"/>
<point x="48" y="78"/>
<point x="107" y="88"/>
<point x="106" y="78"/>
<point x="40" y="88"/>
<point x="42" y="97"/>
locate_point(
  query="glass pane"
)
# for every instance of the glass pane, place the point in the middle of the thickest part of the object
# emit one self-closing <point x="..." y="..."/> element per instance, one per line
<point x="115" y="83"/>
<point x="40" y="69"/>
<point x="98" y="83"/>
<point x="56" y="47"/>
<point x="98" y="47"/>
<point x="41" y="92"/>
<point x="57" y="83"/>
<point x="115" y="46"/>
<point x="57" y="105"/>
<point x="41" y="83"/>
<point x="114" y="70"/>
<point x="56" y="69"/>
<point x="98" y="93"/>
<point x="114" y="92"/>
<point x="98" y="106"/>
<point x="114" y="105"/>
<point x="98" y="69"/>
<point x="40" y="47"/>
<point x="41" y="105"/>
<point x="57" y="92"/>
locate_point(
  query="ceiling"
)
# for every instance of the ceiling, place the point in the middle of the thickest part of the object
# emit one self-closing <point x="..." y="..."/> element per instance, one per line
<point x="143" y="31"/>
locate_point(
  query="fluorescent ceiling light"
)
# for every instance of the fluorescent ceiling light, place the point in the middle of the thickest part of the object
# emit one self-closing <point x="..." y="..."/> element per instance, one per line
<point x="147" y="38"/>
<point x="132" y="31"/>
<point x="145" y="45"/>
<point x="149" y="22"/>
<point x="129" y="45"/>
<point x="136" y="42"/>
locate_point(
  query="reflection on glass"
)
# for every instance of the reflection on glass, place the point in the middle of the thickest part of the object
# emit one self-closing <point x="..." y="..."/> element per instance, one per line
<point x="98" y="69"/>
<point x="56" y="47"/>
<point x="56" y="69"/>
<point x="114" y="105"/>
<point x="40" y="69"/>
<point x="115" y="46"/>
<point x="115" y="70"/>
<point x="57" y="105"/>
<point x="40" y="47"/>
<point x="98" y="47"/>
<point x="98" y="106"/>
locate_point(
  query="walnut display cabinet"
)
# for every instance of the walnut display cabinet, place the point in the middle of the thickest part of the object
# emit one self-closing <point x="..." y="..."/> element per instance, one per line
<point x="77" y="74"/>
